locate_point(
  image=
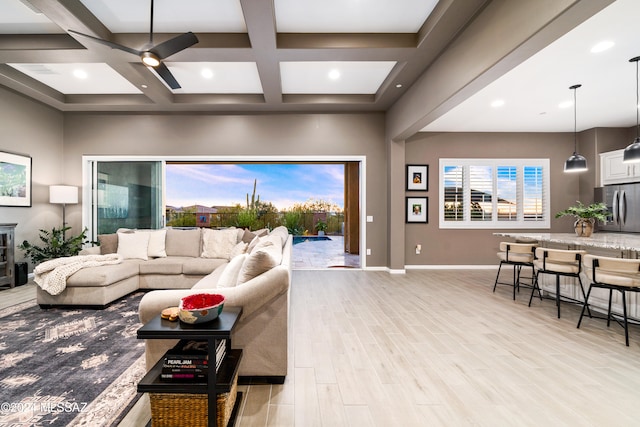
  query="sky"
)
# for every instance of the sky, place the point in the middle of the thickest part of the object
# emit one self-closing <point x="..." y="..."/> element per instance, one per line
<point x="228" y="184"/>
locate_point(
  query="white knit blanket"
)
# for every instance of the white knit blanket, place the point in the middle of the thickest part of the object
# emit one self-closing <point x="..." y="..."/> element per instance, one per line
<point x="52" y="275"/>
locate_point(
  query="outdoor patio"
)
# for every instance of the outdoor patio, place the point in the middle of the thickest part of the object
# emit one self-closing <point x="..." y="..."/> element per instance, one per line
<point x="319" y="254"/>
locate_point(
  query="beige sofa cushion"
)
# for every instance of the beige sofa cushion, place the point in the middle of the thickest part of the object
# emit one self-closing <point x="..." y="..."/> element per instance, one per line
<point x="281" y="232"/>
<point x="108" y="243"/>
<point x="219" y="243"/>
<point x="157" y="238"/>
<point x="229" y="276"/>
<point x="247" y="236"/>
<point x="133" y="245"/>
<point x="170" y="265"/>
<point x="104" y="275"/>
<point x="264" y="257"/>
<point x="183" y="242"/>
<point x="201" y="266"/>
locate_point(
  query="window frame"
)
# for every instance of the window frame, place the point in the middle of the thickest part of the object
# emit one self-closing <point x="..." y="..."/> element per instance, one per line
<point x="520" y="223"/>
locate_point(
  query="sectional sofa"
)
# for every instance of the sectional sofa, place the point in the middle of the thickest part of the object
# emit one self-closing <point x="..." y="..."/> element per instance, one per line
<point x="151" y="259"/>
<point x="252" y="270"/>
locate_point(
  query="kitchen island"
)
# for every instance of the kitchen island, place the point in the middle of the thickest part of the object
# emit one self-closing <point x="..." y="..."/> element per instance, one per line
<point x="618" y="245"/>
<point x="626" y="243"/>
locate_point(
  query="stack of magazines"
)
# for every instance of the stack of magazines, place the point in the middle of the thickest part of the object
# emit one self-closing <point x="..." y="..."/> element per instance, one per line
<point x="189" y="361"/>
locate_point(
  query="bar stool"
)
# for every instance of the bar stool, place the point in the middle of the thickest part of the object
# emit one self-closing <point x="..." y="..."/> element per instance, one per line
<point x="517" y="255"/>
<point x="614" y="274"/>
<point x="559" y="262"/>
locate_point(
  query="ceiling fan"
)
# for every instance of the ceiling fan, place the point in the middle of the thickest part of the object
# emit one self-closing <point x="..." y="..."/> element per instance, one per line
<point x="153" y="55"/>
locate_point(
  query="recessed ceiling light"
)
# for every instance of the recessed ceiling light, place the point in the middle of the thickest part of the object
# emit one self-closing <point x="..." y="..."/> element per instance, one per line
<point x="80" y="74"/>
<point x="565" y="104"/>
<point x="497" y="103"/>
<point x="207" y="73"/>
<point x="399" y="85"/>
<point x="334" y="74"/>
<point x="602" y="46"/>
<point x="144" y="86"/>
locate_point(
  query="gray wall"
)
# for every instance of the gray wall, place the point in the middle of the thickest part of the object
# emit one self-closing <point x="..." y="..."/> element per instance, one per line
<point x="479" y="247"/>
<point x="31" y="129"/>
<point x="57" y="142"/>
<point x="218" y="135"/>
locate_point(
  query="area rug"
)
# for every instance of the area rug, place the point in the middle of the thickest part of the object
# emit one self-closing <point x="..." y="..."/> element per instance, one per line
<point x="69" y="366"/>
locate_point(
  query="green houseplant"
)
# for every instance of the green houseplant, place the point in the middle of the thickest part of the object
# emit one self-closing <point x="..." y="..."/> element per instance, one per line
<point x="55" y="245"/>
<point x="586" y="216"/>
<point x="321" y="227"/>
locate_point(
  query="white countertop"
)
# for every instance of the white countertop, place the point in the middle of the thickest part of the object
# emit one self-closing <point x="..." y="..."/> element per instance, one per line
<point x="619" y="241"/>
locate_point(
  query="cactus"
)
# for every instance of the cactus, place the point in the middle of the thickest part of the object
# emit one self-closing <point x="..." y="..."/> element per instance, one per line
<point x="255" y="202"/>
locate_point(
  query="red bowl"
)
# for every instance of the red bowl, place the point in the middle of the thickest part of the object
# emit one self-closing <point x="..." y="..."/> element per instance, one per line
<point x="200" y="308"/>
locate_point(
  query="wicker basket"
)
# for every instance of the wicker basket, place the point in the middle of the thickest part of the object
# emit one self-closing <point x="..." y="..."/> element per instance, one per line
<point x="173" y="409"/>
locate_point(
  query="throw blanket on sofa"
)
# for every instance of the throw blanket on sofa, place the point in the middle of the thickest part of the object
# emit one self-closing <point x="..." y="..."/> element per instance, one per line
<point x="52" y="275"/>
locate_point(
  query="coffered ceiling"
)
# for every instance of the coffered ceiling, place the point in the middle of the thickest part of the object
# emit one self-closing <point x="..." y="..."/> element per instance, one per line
<point x="301" y="56"/>
<point x="280" y="55"/>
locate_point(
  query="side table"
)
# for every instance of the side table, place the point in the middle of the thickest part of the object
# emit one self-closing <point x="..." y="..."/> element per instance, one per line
<point x="218" y="382"/>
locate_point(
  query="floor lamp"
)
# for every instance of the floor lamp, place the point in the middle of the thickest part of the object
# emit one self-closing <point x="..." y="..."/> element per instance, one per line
<point x="63" y="194"/>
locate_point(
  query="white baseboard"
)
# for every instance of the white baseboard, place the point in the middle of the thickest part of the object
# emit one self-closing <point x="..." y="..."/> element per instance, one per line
<point x="451" y="267"/>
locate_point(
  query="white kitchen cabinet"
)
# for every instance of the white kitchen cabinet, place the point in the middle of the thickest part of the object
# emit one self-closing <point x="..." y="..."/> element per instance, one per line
<point x="614" y="171"/>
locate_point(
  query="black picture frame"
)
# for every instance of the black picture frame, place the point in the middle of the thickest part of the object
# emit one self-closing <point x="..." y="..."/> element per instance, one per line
<point x="15" y="180"/>
<point x="417" y="209"/>
<point x="417" y="177"/>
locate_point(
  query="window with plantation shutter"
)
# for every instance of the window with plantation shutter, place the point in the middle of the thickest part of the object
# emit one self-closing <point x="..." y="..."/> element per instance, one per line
<point x="494" y="193"/>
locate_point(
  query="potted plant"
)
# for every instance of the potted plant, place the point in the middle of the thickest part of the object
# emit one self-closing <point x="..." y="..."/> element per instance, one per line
<point x="585" y="216"/>
<point x="321" y="227"/>
<point x="55" y="245"/>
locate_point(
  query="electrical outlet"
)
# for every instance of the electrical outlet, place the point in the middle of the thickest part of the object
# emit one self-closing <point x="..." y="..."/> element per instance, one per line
<point x="368" y="251"/>
<point x="418" y="249"/>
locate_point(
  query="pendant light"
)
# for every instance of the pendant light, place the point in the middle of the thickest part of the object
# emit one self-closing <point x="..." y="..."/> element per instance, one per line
<point x="575" y="163"/>
<point x="632" y="152"/>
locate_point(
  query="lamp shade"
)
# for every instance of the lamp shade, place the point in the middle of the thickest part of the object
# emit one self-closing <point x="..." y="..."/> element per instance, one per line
<point x="631" y="154"/>
<point x="575" y="163"/>
<point x="63" y="194"/>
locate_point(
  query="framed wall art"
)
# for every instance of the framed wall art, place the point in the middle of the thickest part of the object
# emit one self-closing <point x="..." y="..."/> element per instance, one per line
<point x="417" y="177"/>
<point x="15" y="180"/>
<point x="417" y="209"/>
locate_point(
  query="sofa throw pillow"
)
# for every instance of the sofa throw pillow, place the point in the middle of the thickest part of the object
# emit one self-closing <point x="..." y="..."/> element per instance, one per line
<point x="157" y="239"/>
<point x="183" y="242"/>
<point x="247" y="236"/>
<point x="274" y="245"/>
<point x="259" y="261"/>
<point x="253" y="244"/>
<point x="238" y="249"/>
<point x="281" y="232"/>
<point x="108" y="243"/>
<point x="218" y="243"/>
<point x="229" y="276"/>
<point x="133" y="245"/>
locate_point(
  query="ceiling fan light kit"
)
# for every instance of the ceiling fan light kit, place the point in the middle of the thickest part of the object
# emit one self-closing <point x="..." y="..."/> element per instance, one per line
<point x="154" y="55"/>
<point x="576" y="162"/>
<point x="149" y="59"/>
<point x="632" y="152"/>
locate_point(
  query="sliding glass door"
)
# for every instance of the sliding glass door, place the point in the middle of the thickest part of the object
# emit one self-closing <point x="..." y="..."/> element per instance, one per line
<point x="126" y="194"/>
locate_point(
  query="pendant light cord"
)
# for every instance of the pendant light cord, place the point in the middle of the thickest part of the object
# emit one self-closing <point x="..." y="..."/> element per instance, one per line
<point x="637" y="99"/>
<point x="575" y="119"/>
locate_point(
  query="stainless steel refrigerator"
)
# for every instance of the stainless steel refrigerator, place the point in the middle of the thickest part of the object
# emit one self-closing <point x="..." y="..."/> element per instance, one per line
<point x="623" y="203"/>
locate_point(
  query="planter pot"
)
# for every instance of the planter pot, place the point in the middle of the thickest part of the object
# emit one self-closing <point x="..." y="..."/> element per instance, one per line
<point x="320" y="232"/>
<point x="584" y="227"/>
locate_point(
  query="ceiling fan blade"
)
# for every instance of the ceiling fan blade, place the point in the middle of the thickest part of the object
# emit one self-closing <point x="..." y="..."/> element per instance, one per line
<point x="112" y="45"/>
<point x="174" y="45"/>
<point x="166" y="75"/>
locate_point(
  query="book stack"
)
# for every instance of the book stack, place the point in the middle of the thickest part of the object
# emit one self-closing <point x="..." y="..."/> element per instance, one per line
<point x="189" y="361"/>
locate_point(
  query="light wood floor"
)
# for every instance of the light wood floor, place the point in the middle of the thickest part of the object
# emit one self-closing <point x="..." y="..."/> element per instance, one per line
<point x="438" y="348"/>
